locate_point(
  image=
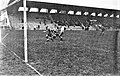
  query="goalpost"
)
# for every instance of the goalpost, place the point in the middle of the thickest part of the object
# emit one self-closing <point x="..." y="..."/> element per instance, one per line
<point x="25" y="31"/>
<point x="25" y="26"/>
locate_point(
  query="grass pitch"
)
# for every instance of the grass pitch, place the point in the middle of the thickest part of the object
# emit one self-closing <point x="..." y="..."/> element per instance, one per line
<point x="69" y="57"/>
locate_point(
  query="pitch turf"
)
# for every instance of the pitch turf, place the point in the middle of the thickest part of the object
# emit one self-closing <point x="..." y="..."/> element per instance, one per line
<point x="79" y="53"/>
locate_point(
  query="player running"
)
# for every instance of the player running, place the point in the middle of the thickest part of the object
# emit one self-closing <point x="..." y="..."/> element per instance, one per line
<point x="62" y="29"/>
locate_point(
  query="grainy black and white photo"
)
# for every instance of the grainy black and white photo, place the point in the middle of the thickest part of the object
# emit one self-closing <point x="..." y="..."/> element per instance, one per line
<point x="59" y="37"/>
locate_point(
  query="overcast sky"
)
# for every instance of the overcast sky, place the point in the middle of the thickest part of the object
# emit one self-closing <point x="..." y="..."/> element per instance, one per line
<point x="110" y="4"/>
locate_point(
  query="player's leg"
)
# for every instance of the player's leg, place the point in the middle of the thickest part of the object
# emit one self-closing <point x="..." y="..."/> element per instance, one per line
<point x="62" y="32"/>
<point x="61" y="39"/>
<point x="54" y="35"/>
<point x="60" y="35"/>
<point x="49" y="35"/>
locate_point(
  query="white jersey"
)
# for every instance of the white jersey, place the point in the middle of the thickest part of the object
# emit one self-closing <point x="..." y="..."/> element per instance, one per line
<point x="62" y="28"/>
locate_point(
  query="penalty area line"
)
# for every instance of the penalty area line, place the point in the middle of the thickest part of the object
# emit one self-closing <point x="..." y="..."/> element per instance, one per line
<point x="23" y="60"/>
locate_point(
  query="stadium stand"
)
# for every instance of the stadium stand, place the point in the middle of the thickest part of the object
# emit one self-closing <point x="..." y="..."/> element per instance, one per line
<point x="38" y="19"/>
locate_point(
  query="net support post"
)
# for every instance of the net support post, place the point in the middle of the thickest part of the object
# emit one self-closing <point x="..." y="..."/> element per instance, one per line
<point x="0" y="36"/>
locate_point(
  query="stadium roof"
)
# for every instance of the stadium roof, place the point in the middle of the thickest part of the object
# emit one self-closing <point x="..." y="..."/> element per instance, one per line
<point x="59" y="6"/>
<point x="108" y="4"/>
<point x="114" y="5"/>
